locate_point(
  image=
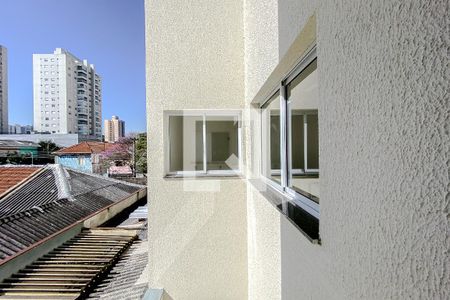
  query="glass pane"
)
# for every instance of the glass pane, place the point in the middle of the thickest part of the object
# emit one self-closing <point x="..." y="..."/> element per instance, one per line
<point x="186" y="143"/>
<point x="303" y="100"/>
<point x="271" y="167"/>
<point x="297" y="141"/>
<point x="222" y="143"/>
<point x="312" y="142"/>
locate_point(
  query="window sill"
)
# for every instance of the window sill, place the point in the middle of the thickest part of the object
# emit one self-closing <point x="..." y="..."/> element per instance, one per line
<point x="204" y="176"/>
<point x="306" y="223"/>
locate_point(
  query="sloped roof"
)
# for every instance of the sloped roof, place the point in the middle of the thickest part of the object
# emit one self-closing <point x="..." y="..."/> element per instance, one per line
<point x="10" y="176"/>
<point x="85" y="148"/>
<point x="51" y="201"/>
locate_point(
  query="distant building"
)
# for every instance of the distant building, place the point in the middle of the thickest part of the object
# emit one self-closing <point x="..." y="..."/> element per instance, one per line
<point x="3" y="90"/>
<point x="67" y="95"/>
<point x="114" y="129"/>
<point x="84" y="156"/>
<point x="19" y="129"/>
<point x="19" y="147"/>
<point x="61" y="140"/>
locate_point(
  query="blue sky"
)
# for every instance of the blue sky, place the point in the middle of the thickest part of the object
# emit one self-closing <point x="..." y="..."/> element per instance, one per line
<point x="108" y="33"/>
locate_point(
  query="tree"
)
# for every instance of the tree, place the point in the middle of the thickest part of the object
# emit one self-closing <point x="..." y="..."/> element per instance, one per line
<point x="118" y="154"/>
<point x="48" y="147"/>
<point x="141" y="153"/>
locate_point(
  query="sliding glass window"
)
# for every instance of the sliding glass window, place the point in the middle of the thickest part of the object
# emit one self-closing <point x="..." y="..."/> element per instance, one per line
<point x="202" y="143"/>
<point x="271" y="139"/>
<point x="303" y="132"/>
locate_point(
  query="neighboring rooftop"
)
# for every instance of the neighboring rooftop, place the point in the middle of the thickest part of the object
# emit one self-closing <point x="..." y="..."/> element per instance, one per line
<point x="128" y="279"/>
<point x="52" y="200"/>
<point x="11" y="176"/>
<point x="85" y="148"/>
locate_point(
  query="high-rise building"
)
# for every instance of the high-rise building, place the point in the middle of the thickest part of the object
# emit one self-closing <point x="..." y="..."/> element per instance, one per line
<point x="67" y="95"/>
<point x="3" y="90"/>
<point x="19" y="129"/>
<point x="114" y="129"/>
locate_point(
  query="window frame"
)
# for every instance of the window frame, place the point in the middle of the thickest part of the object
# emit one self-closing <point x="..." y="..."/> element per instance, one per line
<point x="303" y="200"/>
<point x="204" y="114"/>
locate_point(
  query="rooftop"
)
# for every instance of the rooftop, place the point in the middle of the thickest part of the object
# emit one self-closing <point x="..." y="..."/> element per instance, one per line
<point x="85" y="148"/>
<point x="11" y="176"/>
<point x="50" y="201"/>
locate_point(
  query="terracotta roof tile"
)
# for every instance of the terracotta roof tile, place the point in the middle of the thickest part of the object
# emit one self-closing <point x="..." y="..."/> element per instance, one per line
<point x="11" y="176"/>
<point x="85" y="148"/>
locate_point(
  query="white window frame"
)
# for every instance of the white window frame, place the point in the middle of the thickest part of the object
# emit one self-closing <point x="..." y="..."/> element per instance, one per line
<point x="301" y="200"/>
<point x="202" y="114"/>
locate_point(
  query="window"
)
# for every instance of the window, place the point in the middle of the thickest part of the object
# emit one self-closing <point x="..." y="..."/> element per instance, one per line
<point x="302" y="104"/>
<point x="271" y="167"/>
<point x="202" y="143"/>
<point x="290" y="136"/>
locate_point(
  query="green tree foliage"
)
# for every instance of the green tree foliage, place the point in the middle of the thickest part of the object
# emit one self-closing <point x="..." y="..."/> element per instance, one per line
<point x="48" y="147"/>
<point x="141" y="153"/>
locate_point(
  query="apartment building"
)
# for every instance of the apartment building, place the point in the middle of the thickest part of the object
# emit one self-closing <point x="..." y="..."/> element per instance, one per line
<point x="297" y="149"/>
<point x="67" y="95"/>
<point x="3" y="90"/>
<point x="20" y="129"/>
<point x="114" y="129"/>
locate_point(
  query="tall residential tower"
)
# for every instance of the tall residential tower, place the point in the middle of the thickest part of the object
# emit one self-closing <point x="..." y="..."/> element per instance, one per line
<point x="114" y="129"/>
<point x="67" y="95"/>
<point x="3" y="90"/>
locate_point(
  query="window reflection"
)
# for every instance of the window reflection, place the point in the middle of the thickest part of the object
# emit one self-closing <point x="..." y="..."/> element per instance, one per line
<point x="302" y="96"/>
<point x="271" y="167"/>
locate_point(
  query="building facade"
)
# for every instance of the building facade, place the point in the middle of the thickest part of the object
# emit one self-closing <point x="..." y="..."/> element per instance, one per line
<point x="114" y="129"/>
<point x="67" y="95"/>
<point x="19" y="129"/>
<point x="3" y="90"/>
<point x="85" y="157"/>
<point x="61" y="140"/>
<point x="297" y="149"/>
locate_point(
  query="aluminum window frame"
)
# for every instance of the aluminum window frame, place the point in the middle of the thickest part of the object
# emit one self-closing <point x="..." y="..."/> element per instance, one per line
<point x="284" y="188"/>
<point x="204" y="114"/>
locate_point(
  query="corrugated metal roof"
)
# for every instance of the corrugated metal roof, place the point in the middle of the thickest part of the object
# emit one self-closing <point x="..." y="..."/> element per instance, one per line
<point x="70" y="270"/>
<point x="51" y="201"/>
<point x="40" y="190"/>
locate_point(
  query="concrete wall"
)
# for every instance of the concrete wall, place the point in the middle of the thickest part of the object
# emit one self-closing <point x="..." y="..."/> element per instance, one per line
<point x="78" y="162"/>
<point x="197" y="227"/>
<point x="383" y="115"/>
<point x="383" y="121"/>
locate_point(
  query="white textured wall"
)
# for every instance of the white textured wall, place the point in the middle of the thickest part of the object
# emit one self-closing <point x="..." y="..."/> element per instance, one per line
<point x="384" y="117"/>
<point x="197" y="227"/>
<point x="383" y="70"/>
<point x="384" y="138"/>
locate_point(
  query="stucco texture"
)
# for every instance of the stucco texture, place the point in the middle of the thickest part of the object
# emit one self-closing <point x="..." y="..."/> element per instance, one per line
<point x="197" y="227"/>
<point x="384" y="146"/>
<point x="384" y="117"/>
<point x="384" y="151"/>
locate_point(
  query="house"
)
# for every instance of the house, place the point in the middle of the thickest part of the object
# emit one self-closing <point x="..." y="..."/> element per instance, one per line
<point x="84" y="156"/>
<point x="299" y="149"/>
